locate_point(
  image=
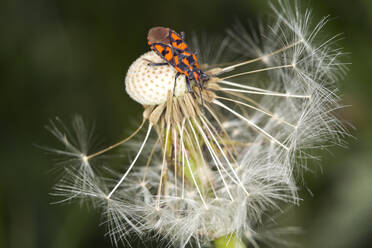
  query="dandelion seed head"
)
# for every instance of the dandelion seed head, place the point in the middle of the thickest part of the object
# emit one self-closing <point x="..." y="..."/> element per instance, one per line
<point x="149" y="85"/>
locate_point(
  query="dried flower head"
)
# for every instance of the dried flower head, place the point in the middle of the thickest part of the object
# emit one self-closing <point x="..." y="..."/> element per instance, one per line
<point x="217" y="158"/>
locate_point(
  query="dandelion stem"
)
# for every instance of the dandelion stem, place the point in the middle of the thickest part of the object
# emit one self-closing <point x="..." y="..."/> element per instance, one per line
<point x="229" y="241"/>
<point x="134" y="161"/>
<point x="117" y="144"/>
<point x="232" y="67"/>
<point x="259" y="70"/>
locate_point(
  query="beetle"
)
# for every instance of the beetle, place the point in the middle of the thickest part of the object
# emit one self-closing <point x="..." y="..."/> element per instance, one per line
<point x="172" y="48"/>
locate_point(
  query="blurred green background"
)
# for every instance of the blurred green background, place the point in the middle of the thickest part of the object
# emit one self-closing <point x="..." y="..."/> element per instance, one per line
<point x="62" y="57"/>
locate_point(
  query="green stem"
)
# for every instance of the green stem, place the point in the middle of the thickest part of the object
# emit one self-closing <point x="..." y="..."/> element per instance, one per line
<point x="229" y="241"/>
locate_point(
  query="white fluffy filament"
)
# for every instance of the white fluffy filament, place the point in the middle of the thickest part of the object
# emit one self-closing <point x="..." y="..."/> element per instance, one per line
<point x="193" y="177"/>
<point x="216" y="161"/>
<point x="251" y="124"/>
<point x="259" y="70"/>
<point x="224" y="155"/>
<point x="232" y="67"/>
<point x="164" y="164"/>
<point x="259" y="110"/>
<point x="267" y="93"/>
<point x="133" y="162"/>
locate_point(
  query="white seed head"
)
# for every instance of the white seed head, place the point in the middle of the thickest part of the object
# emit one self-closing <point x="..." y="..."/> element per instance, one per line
<point x="149" y="84"/>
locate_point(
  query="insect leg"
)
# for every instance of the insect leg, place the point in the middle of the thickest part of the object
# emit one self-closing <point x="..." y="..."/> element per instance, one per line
<point x="175" y="81"/>
<point x="157" y="64"/>
<point x="188" y="85"/>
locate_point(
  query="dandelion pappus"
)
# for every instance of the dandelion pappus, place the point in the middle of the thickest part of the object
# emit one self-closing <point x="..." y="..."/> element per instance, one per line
<point x="172" y="47"/>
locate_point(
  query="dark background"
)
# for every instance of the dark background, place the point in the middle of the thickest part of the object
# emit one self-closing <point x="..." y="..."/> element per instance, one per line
<point x="62" y="57"/>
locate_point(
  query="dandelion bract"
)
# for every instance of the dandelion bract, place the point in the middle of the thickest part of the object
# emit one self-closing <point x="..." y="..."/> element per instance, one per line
<point x="212" y="162"/>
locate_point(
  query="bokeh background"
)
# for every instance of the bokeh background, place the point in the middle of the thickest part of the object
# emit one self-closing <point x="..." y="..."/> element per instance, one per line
<point x="62" y="57"/>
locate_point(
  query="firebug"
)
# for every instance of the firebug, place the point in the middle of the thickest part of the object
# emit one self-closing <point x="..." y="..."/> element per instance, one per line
<point x="172" y="47"/>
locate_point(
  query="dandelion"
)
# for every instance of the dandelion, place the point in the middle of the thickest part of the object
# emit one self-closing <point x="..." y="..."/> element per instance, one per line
<point x="212" y="161"/>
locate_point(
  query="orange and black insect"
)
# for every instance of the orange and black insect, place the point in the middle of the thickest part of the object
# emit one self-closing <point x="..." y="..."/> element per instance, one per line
<point x="173" y="49"/>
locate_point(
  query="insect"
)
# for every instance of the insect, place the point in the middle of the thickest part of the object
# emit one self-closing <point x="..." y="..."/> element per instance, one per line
<point x="172" y="47"/>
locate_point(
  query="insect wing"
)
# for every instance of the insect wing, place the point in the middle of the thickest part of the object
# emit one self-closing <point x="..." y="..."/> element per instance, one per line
<point x="164" y="51"/>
